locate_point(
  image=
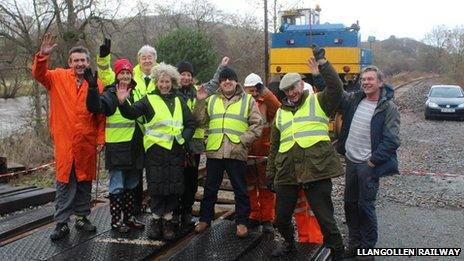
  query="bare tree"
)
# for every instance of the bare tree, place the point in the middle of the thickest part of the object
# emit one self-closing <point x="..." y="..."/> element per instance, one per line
<point x="24" y="22"/>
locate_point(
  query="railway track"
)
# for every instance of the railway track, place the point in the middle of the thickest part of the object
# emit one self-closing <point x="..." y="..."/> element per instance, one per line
<point x="30" y="239"/>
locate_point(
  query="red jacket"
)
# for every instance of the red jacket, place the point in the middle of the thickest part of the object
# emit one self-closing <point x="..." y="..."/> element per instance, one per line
<point x="268" y="106"/>
<point x="74" y="130"/>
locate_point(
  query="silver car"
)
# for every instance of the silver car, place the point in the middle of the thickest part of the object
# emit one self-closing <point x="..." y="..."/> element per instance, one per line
<point x="445" y="101"/>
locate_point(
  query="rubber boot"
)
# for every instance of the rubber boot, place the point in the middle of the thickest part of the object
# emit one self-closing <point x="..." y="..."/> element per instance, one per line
<point x="168" y="229"/>
<point x="155" y="229"/>
<point x="116" y="206"/>
<point x="128" y="210"/>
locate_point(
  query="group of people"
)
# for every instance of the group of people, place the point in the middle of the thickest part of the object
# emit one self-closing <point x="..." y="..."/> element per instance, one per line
<point x="153" y="117"/>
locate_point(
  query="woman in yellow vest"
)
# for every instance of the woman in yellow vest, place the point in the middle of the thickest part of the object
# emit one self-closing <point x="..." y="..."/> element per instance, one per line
<point x="169" y="124"/>
<point x="234" y="122"/>
<point x="196" y="146"/>
<point x="124" y="149"/>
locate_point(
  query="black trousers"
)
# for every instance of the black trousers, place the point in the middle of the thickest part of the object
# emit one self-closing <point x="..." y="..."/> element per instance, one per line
<point x="319" y="196"/>
<point x="190" y="188"/>
<point x="236" y="170"/>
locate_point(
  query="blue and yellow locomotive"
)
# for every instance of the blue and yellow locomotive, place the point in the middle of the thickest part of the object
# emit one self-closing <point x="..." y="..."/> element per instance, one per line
<point x="300" y="29"/>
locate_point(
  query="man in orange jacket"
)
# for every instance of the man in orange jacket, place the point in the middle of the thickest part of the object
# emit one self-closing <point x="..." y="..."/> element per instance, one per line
<point x="262" y="200"/>
<point x="77" y="134"/>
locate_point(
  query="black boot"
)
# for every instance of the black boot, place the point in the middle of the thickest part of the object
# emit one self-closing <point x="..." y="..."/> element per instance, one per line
<point x="284" y="249"/>
<point x="60" y="231"/>
<point x="137" y="194"/>
<point x="128" y="210"/>
<point x="288" y="246"/>
<point x="155" y="229"/>
<point x="168" y="229"/>
<point x="116" y="206"/>
<point x="187" y="220"/>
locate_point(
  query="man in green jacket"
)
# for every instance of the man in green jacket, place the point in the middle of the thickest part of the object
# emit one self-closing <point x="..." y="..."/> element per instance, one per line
<point x="302" y="156"/>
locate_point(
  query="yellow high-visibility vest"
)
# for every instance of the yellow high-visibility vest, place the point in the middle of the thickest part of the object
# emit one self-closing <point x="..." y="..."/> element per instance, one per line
<point x="306" y="127"/>
<point x="231" y="121"/>
<point x="199" y="132"/>
<point x="164" y="127"/>
<point x="118" y="129"/>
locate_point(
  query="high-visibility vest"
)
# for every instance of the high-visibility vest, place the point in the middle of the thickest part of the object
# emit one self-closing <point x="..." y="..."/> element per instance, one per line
<point x="164" y="127"/>
<point x="306" y="127"/>
<point x="199" y="132"/>
<point x="118" y="129"/>
<point x="231" y="121"/>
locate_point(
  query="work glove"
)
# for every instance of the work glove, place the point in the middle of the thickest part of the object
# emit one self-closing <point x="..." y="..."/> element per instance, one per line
<point x="105" y="48"/>
<point x="91" y="78"/>
<point x="318" y="52"/>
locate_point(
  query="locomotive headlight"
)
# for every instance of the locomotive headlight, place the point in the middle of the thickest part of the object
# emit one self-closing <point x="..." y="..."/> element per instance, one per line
<point x="346" y="69"/>
<point x="338" y="41"/>
<point x="278" y="69"/>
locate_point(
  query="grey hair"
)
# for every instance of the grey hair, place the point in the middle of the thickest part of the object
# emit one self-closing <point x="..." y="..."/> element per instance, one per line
<point x="373" y="68"/>
<point x="80" y="49"/>
<point x="166" y="69"/>
<point x="147" y="49"/>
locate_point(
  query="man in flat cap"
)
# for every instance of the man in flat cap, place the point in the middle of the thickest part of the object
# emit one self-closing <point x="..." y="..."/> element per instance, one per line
<point x="302" y="156"/>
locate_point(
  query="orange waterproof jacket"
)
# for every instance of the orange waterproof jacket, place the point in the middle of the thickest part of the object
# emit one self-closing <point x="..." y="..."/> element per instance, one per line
<point x="74" y="130"/>
<point x="268" y="106"/>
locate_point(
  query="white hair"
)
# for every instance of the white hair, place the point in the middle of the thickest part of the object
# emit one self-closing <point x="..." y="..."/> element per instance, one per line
<point x="147" y="49"/>
<point x="166" y="69"/>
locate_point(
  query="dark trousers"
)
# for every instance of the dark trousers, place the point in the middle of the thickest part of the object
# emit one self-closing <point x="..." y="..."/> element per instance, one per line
<point x="190" y="188"/>
<point x="163" y="204"/>
<point x="319" y="196"/>
<point x="360" y="193"/>
<point x="236" y="170"/>
<point x="72" y="198"/>
<point x="138" y="192"/>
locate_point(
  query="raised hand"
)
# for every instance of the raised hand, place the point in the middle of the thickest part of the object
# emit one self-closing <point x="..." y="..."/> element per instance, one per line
<point x="225" y="61"/>
<point x="91" y="78"/>
<point x="313" y="66"/>
<point x="48" y="43"/>
<point x="122" y="91"/>
<point x="105" y="48"/>
<point x="201" y="93"/>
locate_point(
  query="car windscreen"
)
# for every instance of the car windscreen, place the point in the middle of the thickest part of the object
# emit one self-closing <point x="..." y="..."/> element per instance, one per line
<point x="444" y="92"/>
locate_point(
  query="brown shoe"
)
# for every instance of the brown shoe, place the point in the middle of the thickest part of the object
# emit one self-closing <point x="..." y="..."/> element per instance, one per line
<point x="242" y="231"/>
<point x="201" y="227"/>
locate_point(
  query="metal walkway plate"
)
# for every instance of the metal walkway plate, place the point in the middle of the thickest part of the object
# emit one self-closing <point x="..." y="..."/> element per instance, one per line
<point x="38" y="246"/>
<point x="264" y="249"/>
<point x="25" y="221"/>
<point x="113" y="246"/>
<point x="218" y="243"/>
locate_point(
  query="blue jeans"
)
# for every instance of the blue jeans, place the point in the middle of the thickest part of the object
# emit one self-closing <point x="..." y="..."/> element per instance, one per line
<point x="236" y="171"/>
<point x="121" y="180"/>
<point x="361" y="188"/>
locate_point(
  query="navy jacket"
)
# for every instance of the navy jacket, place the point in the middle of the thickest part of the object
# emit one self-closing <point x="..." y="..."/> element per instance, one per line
<point x="385" y="127"/>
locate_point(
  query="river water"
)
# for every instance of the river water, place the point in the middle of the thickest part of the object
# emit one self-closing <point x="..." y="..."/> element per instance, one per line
<point x="14" y="115"/>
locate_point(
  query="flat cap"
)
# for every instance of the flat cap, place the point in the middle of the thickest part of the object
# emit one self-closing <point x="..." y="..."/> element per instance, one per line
<point x="288" y="80"/>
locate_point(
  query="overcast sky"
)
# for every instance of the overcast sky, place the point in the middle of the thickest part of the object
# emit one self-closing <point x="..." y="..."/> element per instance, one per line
<point x="402" y="18"/>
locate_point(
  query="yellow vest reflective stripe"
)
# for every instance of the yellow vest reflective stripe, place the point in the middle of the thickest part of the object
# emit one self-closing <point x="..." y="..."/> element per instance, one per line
<point x="199" y="132"/>
<point x="306" y="127"/>
<point x="232" y="121"/>
<point x="118" y="129"/>
<point x="164" y="127"/>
